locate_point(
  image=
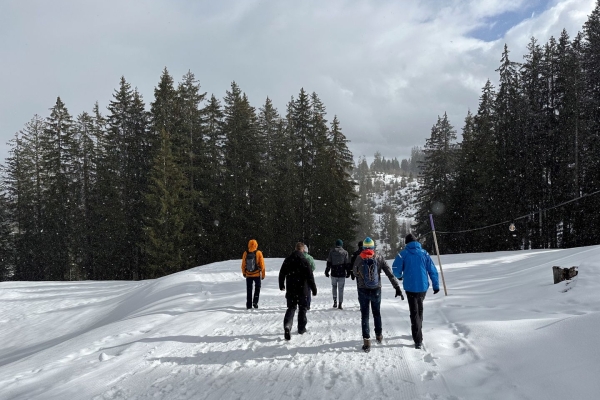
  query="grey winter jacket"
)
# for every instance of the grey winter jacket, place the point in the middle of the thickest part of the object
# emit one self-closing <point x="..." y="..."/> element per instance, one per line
<point x="338" y="262"/>
<point x="381" y="264"/>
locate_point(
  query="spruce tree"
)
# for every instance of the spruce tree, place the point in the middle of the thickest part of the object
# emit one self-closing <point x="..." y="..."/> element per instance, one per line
<point x="164" y="237"/>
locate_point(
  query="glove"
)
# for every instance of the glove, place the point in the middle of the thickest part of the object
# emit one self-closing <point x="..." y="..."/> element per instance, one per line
<point x="435" y="291"/>
<point x="327" y="274"/>
<point x="262" y="278"/>
<point x="352" y="276"/>
<point x="399" y="293"/>
<point x="314" y="293"/>
<point x="348" y="274"/>
<point x="282" y="288"/>
<point x="244" y="275"/>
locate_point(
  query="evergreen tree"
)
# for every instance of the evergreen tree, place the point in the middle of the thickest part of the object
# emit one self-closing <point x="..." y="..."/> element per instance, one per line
<point x="438" y="176"/>
<point x="59" y="155"/>
<point x="269" y="125"/>
<point x="164" y="236"/>
<point x="588" y="229"/>
<point x="193" y="160"/>
<point x="241" y="147"/>
<point x="211" y="183"/>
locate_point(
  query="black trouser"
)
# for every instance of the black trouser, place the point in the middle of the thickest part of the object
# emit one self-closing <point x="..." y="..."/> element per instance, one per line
<point x="415" y="305"/>
<point x="292" y="303"/>
<point x="249" y="299"/>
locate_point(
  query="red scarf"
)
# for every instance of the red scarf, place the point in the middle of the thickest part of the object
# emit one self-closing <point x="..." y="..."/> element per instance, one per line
<point x="367" y="253"/>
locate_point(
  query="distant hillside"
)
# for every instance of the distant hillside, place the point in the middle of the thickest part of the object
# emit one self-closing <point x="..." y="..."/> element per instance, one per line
<point x="386" y="205"/>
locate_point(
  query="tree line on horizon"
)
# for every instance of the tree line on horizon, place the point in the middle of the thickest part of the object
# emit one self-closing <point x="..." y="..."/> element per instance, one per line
<point x="527" y="172"/>
<point x="137" y="194"/>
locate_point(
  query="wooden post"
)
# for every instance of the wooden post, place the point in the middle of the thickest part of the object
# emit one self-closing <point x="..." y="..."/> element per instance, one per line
<point x="563" y="274"/>
<point x="557" y="274"/>
<point x="437" y="250"/>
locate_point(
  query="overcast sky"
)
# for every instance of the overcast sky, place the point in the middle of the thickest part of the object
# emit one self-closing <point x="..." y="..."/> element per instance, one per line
<point x="386" y="68"/>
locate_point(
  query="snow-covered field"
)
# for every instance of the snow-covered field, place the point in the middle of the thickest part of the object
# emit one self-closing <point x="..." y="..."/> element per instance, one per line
<point x="504" y="331"/>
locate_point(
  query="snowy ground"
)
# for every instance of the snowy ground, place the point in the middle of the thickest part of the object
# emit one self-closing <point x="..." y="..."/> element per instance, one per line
<point x="503" y="332"/>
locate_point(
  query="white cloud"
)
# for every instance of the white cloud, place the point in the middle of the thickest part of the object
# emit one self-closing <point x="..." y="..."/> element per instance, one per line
<point x="386" y="68"/>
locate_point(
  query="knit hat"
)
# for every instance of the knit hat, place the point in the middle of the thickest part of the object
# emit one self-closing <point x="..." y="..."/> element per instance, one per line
<point x="368" y="243"/>
<point x="339" y="243"/>
<point x="409" y="238"/>
<point x="305" y="248"/>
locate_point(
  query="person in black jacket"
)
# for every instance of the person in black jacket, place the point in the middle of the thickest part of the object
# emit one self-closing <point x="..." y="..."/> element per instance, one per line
<point x="350" y="273"/>
<point x="297" y="279"/>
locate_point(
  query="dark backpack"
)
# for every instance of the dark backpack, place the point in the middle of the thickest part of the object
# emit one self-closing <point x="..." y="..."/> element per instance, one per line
<point x="338" y="257"/>
<point x="251" y="262"/>
<point x="370" y="273"/>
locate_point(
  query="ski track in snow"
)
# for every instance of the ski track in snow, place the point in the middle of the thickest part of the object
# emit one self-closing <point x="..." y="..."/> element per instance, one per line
<point x="189" y="336"/>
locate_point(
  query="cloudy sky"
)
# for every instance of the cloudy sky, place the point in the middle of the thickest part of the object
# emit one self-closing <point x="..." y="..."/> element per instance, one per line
<point x="386" y="68"/>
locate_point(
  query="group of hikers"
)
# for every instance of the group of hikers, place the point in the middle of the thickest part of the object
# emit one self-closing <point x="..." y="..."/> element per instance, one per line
<point x="413" y="266"/>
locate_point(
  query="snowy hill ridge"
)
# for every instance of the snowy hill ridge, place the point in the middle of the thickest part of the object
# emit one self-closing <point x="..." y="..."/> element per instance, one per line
<point x="504" y="332"/>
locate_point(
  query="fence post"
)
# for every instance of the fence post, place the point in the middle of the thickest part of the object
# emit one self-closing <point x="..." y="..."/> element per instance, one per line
<point x="437" y="250"/>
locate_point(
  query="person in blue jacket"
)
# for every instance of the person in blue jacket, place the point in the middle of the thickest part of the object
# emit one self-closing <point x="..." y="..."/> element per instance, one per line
<point x="413" y="265"/>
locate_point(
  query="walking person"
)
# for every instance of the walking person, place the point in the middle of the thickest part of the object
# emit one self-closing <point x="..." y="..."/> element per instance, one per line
<point x="414" y="265"/>
<point x="253" y="269"/>
<point x="337" y="262"/>
<point x="367" y="269"/>
<point x="353" y="258"/>
<point x="311" y="261"/>
<point x="297" y="279"/>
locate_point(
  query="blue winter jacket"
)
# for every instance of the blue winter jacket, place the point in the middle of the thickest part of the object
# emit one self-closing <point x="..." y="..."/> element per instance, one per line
<point x="413" y="264"/>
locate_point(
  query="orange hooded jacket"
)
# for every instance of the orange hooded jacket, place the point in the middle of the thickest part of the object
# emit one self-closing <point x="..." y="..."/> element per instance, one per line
<point x="260" y="261"/>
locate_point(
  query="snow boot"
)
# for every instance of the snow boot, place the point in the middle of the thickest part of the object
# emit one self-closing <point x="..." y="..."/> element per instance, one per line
<point x="379" y="338"/>
<point x="340" y="306"/>
<point x="366" y="345"/>
<point x="287" y="334"/>
<point x="418" y="346"/>
<point x="255" y="305"/>
<point x="334" y="303"/>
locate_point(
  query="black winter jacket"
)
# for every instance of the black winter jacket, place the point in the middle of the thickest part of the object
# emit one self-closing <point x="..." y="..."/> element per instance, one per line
<point x="296" y="276"/>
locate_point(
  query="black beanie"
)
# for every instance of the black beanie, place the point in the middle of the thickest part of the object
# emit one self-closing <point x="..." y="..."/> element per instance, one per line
<point x="409" y="238"/>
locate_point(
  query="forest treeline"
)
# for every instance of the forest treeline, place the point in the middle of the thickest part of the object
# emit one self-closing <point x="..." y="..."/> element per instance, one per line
<point x="529" y="156"/>
<point x="136" y="194"/>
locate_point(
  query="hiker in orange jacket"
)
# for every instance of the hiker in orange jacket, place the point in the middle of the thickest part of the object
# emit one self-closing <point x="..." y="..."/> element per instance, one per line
<point x="253" y="269"/>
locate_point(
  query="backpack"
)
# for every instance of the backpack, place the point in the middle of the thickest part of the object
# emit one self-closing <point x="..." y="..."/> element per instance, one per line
<point x="251" y="262"/>
<point x="370" y="273"/>
<point x="338" y="257"/>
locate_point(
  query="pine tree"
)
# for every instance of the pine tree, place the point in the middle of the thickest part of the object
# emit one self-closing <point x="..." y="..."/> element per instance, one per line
<point x="164" y="236"/>
<point x="59" y="155"/>
<point x="241" y="158"/>
<point x="588" y="228"/>
<point x="211" y="177"/>
<point x="438" y="175"/>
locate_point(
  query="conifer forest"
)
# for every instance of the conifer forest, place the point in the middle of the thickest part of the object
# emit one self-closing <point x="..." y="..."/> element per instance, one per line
<point x="140" y="190"/>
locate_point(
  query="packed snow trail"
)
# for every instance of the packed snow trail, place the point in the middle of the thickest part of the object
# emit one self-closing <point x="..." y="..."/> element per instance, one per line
<point x="189" y="336"/>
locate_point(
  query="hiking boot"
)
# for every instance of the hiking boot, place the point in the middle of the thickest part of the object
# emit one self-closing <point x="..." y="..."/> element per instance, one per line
<point x="366" y="345"/>
<point x="418" y="346"/>
<point x="255" y="305"/>
<point x="340" y="306"/>
<point x="287" y="334"/>
<point x="301" y="331"/>
<point x="379" y="338"/>
<point x="335" y="304"/>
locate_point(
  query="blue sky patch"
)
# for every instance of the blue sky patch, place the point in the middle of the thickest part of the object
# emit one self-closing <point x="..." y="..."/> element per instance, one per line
<point x="496" y="27"/>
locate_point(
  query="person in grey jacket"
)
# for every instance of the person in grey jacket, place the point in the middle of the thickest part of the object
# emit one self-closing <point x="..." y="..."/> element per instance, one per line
<point x="367" y="270"/>
<point x="338" y="263"/>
